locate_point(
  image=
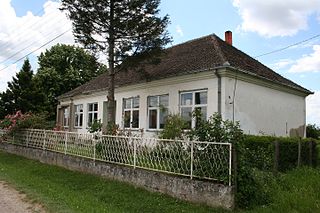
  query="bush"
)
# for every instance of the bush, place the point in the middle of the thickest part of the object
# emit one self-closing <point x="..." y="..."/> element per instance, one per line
<point x="174" y="128"/>
<point x="13" y="123"/>
<point x="255" y="157"/>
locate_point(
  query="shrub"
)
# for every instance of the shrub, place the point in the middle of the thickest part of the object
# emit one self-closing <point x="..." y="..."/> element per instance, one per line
<point x="13" y="123"/>
<point x="174" y="128"/>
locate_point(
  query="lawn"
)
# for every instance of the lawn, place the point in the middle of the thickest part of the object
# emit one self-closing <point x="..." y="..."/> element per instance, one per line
<point x="61" y="190"/>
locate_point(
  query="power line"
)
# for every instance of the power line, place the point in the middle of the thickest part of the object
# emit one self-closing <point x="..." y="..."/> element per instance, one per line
<point x="48" y="42"/>
<point x="287" y="47"/>
<point x="26" y="25"/>
<point x="26" y="47"/>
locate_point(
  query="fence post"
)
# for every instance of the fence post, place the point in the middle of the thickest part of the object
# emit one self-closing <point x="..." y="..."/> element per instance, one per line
<point x="191" y="163"/>
<point x="44" y="140"/>
<point x="94" y="149"/>
<point x="299" y="152"/>
<point x="65" y="143"/>
<point x="235" y="168"/>
<point x="27" y="142"/>
<point x="230" y="163"/>
<point x="134" y="153"/>
<point x="310" y="153"/>
<point x="276" y="158"/>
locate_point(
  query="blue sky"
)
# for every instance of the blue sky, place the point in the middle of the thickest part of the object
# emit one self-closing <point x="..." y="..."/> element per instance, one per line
<point x="258" y="27"/>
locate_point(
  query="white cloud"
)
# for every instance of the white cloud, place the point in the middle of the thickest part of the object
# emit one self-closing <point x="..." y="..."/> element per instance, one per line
<point x="307" y="63"/>
<point x="179" y="30"/>
<point x="282" y="63"/>
<point x="21" y="35"/>
<point x="313" y="108"/>
<point x="6" y="75"/>
<point x="275" y="18"/>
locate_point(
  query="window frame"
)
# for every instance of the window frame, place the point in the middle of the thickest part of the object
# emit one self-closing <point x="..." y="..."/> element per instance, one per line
<point x="193" y="105"/>
<point x="158" y="109"/>
<point x="78" y="115"/>
<point x="66" y="117"/>
<point x="131" y="110"/>
<point x="93" y="112"/>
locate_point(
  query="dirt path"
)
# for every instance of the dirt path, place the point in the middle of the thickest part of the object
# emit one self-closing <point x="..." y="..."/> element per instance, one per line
<point x="12" y="201"/>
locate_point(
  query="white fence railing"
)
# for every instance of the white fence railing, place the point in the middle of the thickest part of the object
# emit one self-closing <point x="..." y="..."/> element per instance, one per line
<point x="205" y="160"/>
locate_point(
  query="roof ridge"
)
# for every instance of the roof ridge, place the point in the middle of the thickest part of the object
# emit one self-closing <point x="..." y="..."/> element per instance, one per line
<point x="219" y="51"/>
<point x="190" y="41"/>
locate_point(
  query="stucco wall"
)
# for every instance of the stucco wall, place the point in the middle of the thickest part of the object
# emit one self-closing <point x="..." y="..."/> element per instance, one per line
<point x="172" y="86"/>
<point x="263" y="110"/>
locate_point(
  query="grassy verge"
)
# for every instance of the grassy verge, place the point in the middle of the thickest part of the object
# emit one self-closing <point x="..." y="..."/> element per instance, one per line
<point x="295" y="191"/>
<point x="60" y="190"/>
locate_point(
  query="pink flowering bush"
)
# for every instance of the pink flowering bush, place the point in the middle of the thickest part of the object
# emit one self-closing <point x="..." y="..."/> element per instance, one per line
<point x="12" y="122"/>
<point x="17" y="121"/>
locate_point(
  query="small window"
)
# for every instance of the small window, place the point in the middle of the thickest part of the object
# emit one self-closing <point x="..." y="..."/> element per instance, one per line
<point x="92" y="113"/>
<point x="78" y="118"/>
<point x="131" y="112"/>
<point x="191" y="101"/>
<point x="157" y="111"/>
<point x="66" y="115"/>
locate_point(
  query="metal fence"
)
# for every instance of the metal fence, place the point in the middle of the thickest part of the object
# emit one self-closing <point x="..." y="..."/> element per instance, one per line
<point x="195" y="159"/>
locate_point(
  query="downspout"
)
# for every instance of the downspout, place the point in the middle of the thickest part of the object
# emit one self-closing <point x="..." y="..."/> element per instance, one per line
<point x="219" y="91"/>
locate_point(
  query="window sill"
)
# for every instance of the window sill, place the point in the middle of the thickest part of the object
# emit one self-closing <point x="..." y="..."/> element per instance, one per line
<point x="154" y="130"/>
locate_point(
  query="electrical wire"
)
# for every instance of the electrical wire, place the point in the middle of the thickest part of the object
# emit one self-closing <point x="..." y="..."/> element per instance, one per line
<point x="287" y="47"/>
<point x="48" y="42"/>
<point x="32" y="25"/>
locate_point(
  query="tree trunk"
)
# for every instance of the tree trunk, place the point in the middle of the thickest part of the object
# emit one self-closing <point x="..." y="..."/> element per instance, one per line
<point x="111" y="105"/>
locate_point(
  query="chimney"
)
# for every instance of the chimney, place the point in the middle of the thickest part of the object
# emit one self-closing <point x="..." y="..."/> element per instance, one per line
<point x="228" y="37"/>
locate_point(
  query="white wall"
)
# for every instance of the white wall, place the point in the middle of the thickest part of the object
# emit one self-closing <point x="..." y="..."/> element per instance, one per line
<point x="171" y="86"/>
<point x="262" y="110"/>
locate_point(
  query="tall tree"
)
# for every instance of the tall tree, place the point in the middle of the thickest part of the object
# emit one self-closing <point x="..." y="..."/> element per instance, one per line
<point x="128" y="32"/>
<point x="22" y="93"/>
<point x="61" y="69"/>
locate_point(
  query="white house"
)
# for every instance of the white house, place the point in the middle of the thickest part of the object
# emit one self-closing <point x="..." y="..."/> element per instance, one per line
<point x="206" y="73"/>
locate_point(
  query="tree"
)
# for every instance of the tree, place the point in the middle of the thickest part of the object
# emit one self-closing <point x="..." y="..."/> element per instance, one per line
<point x="61" y="69"/>
<point x="22" y="93"/>
<point x="128" y="32"/>
<point x="313" y="131"/>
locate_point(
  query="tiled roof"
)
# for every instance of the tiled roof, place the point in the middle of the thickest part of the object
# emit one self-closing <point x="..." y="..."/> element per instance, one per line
<point x="193" y="56"/>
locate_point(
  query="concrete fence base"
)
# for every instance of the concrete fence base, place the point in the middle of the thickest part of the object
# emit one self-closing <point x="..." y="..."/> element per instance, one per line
<point x="203" y="192"/>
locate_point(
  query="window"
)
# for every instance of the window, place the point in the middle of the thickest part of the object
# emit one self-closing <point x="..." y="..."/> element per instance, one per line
<point x="92" y="113"/>
<point x="131" y="112"/>
<point x="190" y="101"/>
<point x="157" y="111"/>
<point x="66" y="117"/>
<point x="78" y="118"/>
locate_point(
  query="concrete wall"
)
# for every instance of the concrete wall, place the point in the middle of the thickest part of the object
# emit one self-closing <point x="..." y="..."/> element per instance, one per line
<point x="263" y="110"/>
<point x="203" y="192"/>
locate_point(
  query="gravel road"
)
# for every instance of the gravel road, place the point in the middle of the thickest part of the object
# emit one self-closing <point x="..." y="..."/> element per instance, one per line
<point x="12" y="201"/>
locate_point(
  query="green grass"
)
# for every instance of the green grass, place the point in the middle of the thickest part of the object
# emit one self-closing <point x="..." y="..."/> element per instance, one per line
<point x="295" y="191"/>
<point x="61" y="190"/>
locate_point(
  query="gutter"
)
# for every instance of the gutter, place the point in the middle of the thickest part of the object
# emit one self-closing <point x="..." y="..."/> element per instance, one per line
<point x="219" y="90"/>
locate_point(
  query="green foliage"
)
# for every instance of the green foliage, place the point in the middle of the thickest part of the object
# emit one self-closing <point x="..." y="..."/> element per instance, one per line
<point x="215" y="129"/>
<point x="17" y="121"/>
<point x="61" y="69"/>
<point x="313" y="131"/>
<point x="130" y="33"/>
<point x="174" y="127"/>
<point x="95" y="126"/>
<point x="255" y="157"/>
<point x="22" y="94"/>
